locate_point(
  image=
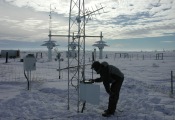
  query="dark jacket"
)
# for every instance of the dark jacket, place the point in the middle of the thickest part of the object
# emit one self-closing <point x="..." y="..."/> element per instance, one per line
<point x="109" y="74"/>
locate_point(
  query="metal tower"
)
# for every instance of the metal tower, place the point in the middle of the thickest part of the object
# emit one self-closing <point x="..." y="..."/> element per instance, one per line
<point x="50" y="44"/>
<point x="78" y="17"/>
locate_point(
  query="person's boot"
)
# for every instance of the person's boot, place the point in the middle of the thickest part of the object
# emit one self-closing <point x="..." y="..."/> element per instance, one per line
<point x="107" y="113"/>
<point x="105" y="110"/>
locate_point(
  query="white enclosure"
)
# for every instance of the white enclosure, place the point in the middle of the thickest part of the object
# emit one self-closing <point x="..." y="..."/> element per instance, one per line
<point x="29" y="62"/>
<point x="90" y="93"/>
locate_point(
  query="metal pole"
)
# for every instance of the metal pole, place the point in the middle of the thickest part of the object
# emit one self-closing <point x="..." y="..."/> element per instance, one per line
<point x="30" y="80"/>
<point x="83" y="42"/>
<point x="92" y="63"/>
<point x="95" y="55"/>
<point x="6" y="57"/>
<point x="68" y="53"/>
<point x="172" y="82"/>
<point x="83" y="51"/>
<point x="50" y="35"/>
<point x="78" y="81"/>
<point x="59" y="68"/>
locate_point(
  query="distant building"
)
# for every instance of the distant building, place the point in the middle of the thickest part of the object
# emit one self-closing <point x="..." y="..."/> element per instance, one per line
<point x="11" y="53"/>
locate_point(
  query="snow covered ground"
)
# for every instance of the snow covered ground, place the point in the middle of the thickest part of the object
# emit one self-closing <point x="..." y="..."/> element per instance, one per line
<point x="145" y="94"/>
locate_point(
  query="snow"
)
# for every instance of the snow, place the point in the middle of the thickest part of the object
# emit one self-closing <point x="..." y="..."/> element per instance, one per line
<point x="145" y="94"/>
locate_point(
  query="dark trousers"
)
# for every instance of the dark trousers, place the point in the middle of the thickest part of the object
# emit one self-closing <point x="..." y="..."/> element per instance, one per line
<point x="114" y="95"/>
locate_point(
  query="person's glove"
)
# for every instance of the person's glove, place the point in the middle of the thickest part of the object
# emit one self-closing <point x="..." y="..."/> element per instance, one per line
<point x="92" y="80"/>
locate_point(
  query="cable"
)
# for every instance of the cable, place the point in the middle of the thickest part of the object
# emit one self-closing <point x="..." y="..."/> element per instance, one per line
<point x="27" y="79"/>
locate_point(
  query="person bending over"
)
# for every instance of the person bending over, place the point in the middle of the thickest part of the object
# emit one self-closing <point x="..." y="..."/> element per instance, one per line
<point x="112" y="79"/>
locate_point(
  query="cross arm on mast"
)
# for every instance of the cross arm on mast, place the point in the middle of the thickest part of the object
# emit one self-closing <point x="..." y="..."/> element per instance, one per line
<point x="73" y="36"/>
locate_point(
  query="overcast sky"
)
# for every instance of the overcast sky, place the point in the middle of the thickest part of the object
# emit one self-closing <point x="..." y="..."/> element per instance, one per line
<point x="126" y="24"/>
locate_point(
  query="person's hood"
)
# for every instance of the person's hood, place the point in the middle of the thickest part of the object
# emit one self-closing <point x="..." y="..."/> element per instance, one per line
<point x="105" y="64"/>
